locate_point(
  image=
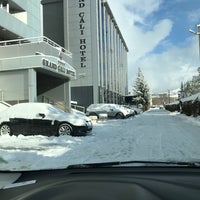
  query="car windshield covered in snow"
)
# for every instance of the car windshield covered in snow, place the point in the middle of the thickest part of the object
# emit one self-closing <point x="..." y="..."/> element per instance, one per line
<point x="92" y="82"/>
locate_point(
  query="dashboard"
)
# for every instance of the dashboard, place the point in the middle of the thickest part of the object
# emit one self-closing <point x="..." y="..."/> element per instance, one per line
<point x="116" y="183"/>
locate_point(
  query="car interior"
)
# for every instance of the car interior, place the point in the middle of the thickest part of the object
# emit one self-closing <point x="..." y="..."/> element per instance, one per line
<point x="115" y="183"/>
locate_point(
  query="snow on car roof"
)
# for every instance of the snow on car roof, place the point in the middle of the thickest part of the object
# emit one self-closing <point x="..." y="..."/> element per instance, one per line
<point x="100" y="105"/>
<point x="30" y="109"/>
<point x="33" y="110"/>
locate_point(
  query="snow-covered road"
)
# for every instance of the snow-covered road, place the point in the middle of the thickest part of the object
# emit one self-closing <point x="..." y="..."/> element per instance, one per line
<point x="153" y="135"/>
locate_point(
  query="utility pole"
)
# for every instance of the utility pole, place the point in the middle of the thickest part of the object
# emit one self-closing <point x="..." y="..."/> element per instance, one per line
<point x="197" y="33"/>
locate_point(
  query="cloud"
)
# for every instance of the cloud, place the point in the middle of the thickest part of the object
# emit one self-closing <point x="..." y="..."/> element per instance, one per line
<point x="145" y="42"/>
<point x="194" y="15"/>
<point x="168" y="69"/>
<point x="144" y="34"/>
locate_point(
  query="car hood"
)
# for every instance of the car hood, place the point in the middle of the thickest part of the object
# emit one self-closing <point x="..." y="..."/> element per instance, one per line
<point x="74" y="119"/>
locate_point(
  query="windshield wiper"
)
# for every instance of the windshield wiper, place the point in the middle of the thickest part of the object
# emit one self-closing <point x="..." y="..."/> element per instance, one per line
<point x="136" y="163"/>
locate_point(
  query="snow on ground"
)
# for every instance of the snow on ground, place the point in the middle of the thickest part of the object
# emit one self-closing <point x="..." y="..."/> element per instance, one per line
<point x="153" y="135"/>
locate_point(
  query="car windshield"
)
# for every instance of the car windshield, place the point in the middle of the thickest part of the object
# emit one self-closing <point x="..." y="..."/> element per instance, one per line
<point x="100" y="81"/>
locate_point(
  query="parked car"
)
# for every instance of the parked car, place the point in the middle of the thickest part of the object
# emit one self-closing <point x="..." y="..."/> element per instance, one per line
<point x="137" y="110"/>
<point x="42" y="119"/>
<point x="133" y="110"/>
<point x="112" y="110"/>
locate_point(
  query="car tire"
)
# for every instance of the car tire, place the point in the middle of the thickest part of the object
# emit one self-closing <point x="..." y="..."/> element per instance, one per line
<point x="94" y="114"/>
<point x="65" y="129"/>
<point x="119" y="115"/>
<point x="5" y="129"/>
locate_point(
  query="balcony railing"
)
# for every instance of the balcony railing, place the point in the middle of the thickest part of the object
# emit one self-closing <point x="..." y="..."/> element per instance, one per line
<point x="35" y="40"/>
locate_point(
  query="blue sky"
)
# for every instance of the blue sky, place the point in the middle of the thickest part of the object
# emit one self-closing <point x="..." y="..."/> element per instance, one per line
<point x="156" y="32"/>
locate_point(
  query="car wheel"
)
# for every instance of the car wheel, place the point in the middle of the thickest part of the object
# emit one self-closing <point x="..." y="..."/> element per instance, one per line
<point x="5" y="129"/>
<point x="94" y="114"/>
<point x="119" y="116"/>
<point x="64" y="129"/>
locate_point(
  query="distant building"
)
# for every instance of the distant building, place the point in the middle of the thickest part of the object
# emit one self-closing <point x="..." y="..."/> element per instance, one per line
<point x="164" y="98"/>
<point x="88" y="29"/>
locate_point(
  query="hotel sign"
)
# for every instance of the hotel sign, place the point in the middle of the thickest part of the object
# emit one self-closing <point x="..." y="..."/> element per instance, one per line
<point x="83" y="41"/>
<point x="59" y="67"/>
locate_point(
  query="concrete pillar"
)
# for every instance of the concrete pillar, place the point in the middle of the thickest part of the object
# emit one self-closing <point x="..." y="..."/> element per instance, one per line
<point x="32" y="85"/>
<point x="67" y="96"/>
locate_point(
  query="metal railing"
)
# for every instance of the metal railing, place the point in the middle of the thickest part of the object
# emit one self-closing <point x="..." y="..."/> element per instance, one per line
<point x="35" y="40"/>
<point x="79" y="108"/>
<point x="50" y="100"/>
<point x="61" y="105"/>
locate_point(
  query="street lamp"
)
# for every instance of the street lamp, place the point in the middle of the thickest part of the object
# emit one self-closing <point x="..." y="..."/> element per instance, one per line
<point x="197" y="33"/>
<point x="191" y="31"/>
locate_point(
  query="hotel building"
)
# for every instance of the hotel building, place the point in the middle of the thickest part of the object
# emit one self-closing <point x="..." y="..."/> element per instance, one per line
<point x="88" y="29"/>
<point x="32" y="67"/>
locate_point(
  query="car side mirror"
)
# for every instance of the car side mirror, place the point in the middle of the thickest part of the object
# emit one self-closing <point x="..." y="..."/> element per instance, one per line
<point x="42" y="115"/>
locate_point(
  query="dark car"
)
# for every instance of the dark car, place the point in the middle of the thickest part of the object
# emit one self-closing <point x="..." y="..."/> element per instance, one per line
<point x="42" y="119"/>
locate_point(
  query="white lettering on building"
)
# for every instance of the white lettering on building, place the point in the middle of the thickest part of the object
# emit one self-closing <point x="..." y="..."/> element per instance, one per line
<point x="83" y="42"/>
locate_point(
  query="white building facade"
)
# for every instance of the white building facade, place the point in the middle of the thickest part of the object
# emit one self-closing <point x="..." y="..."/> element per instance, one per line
<point x="20" y="19"/>
<point x="99" y="51"/>
<point x="32" y="67"/>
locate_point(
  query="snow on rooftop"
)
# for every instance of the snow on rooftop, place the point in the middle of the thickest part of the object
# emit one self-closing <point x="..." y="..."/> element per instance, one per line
<point x="195" y="97"/>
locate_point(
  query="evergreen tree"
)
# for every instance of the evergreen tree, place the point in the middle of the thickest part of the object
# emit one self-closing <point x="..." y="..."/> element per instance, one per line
<point x="141" y="90"/>
<point x="191" y="87"/>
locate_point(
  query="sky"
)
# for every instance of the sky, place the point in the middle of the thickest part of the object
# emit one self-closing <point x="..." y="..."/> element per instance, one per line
<point x="157" y="35"/>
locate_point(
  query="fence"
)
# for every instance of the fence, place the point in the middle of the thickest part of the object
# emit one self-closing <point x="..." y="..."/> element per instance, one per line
<point x="189" y="105"/>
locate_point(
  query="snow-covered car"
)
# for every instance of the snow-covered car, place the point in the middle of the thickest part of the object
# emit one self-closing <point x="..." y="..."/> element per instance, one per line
<point x="133" y="110"/>
<point x="112" y="110"/>
<point x="42" y="119"/>
<point x="137" y="110"/>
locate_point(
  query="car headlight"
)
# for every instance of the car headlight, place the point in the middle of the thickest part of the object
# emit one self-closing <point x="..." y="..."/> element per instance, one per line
<point x="79" y="122"/>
